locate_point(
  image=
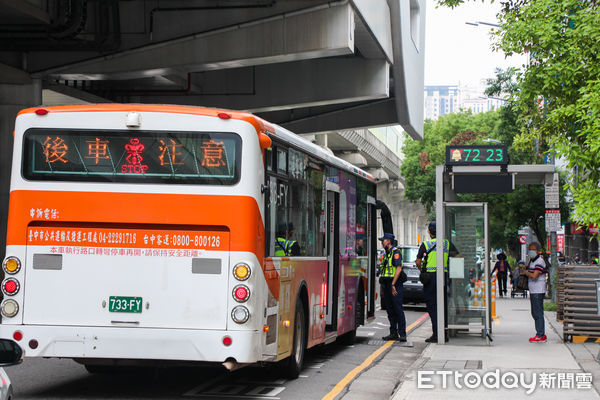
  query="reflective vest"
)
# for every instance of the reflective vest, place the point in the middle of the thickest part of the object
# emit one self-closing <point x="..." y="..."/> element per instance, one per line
<point x="387" y="267"/>
<point x="283" y="247"/>
<point x="432" y="255"/>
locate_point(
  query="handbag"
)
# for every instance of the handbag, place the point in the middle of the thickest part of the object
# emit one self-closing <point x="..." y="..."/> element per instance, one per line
<point x="424" y="276"/>
<point x="403" y="277"/>
<point x="523" y="282"/>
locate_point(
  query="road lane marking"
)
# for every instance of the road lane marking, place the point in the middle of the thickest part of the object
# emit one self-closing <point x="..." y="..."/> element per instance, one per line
<point x="341" y="385"/>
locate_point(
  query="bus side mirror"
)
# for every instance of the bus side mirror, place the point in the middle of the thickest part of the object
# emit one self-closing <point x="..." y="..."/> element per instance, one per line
<point x="10" y="353"/>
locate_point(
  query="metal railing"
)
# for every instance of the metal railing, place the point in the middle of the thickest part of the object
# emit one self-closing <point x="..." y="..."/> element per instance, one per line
<point x="576" y="303"/>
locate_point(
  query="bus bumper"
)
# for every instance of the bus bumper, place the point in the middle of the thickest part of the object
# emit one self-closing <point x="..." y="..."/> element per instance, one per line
<point x="137" y="343"/>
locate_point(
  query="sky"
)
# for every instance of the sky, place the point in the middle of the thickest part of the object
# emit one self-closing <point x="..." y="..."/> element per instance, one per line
<point x="459" y="53"/>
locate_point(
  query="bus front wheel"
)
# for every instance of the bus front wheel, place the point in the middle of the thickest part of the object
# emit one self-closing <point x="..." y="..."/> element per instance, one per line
<point x="293" y="364"/>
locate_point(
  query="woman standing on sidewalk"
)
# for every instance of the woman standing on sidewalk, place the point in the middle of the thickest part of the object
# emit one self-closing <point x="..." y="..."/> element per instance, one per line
<point x="502" y="267"/>
<point x="536" y="272"/>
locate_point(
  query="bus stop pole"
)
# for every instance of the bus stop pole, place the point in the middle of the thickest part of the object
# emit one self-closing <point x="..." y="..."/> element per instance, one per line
<point x="440" y="230"/>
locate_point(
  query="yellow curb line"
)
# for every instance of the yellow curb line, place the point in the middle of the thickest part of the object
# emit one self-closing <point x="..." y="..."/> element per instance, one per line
<point x="337" y="389"/>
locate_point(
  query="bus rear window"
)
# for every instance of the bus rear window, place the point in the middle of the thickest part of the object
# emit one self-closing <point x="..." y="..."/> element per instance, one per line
<point x="132" y="156"/>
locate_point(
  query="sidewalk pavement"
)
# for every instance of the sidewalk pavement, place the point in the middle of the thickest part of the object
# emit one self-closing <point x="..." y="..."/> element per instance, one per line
<point x="553" y="364"/>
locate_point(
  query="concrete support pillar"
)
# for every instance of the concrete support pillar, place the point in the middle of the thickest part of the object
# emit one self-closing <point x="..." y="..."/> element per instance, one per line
<point x="321" y="140"/>
<point x="13" y="98"/>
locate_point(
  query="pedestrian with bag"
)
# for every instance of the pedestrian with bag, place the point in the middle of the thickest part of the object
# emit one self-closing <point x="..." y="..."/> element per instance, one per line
<point x="427" y="262"/>
<point x="392" y="278"/>
<point x="536" y="273"/>
<point x="502" y="267"/>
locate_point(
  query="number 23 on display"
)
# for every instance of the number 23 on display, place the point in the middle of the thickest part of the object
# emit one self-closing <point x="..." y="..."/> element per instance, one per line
<point x="492" y="154"/>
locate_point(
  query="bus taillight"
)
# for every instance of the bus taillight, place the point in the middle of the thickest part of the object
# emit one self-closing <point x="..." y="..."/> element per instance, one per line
<point x="241" y="293"/>
<point x="11" y="265"/>
<point x="240" y="314"/>
<point x="10" y="286"/>
<point x="324" y="294"/>
<point x="241" y="272"/>
<point x="10" y="308"/>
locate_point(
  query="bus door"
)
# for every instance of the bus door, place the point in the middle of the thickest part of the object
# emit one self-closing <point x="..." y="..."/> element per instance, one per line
<point x="372" y="254"/>
<point x="333" y="255"/>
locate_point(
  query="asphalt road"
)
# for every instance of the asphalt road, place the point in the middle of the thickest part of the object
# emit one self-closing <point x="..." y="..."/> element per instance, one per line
<point x="324" y="367"/>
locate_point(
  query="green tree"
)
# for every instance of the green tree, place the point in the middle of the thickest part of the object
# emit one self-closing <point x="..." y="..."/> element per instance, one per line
<point x="421" y="157"/>
<point x="557" y="96"/>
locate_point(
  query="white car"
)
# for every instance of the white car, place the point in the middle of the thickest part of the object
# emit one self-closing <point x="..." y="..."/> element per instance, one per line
<point x="6" y="390"/>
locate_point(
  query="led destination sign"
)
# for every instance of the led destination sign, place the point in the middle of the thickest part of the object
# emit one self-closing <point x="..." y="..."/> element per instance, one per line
<point x="151" y="156"/>
<point x="477" y="155"/>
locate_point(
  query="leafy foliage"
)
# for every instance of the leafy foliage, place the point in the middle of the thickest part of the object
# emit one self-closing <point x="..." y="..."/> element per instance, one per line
<point x="557" y="95"/>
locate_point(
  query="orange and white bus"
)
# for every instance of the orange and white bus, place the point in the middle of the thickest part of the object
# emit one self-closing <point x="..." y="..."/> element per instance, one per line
<point x="148" y="232"/>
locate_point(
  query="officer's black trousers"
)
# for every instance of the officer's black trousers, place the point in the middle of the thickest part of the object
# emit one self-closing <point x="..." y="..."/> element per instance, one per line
<point x="430" y="294"/>
<point x="394" y="308"/>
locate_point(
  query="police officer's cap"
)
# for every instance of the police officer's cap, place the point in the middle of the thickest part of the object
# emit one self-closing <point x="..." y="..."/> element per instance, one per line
<point x="388" y="236"/>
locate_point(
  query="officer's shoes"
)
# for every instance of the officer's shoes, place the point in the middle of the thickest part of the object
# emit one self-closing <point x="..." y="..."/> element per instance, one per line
<point x="390" y="337"/>
<point x="402" y="339"/>
<point x="431" y="339"/>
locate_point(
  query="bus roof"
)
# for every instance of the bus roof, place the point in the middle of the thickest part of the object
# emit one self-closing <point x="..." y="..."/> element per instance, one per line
<point x="260" y="124"/>
<point x="319" y="152"/>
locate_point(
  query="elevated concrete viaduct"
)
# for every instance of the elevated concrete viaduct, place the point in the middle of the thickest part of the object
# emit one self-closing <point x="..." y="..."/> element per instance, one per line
<point x="313" y="66"/>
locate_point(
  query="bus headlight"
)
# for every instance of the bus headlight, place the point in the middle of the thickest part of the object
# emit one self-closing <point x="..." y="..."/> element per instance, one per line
<point x="11" y="265"/>
<point x="10" y="308"/>
<point x="240" y="314"/>
<point x="241" y="272"/>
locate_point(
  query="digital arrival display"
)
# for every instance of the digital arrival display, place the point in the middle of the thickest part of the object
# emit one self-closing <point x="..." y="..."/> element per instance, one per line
<point x="477" y="155"/>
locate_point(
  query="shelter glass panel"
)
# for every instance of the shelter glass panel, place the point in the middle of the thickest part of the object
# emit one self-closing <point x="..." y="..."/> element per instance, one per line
<point x="468" y="280"/>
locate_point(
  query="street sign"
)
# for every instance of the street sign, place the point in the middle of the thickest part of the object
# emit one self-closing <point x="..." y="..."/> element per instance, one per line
<point x="553" y="220"/>
<point x="477" y="155"/>
<point x="523" y="239"/>
<point x="552" y="193"/>
<point x="560" y="243"/>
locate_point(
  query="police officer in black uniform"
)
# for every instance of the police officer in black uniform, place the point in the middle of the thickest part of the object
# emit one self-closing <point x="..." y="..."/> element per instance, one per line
<point x="390" y="271"/>
<point x="427" y="258"/>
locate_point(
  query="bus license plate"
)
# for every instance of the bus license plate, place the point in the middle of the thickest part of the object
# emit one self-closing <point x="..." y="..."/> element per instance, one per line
<point x="125" y="304"/>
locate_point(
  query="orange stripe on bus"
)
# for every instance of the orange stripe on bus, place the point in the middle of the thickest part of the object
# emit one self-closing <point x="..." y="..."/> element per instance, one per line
<point x="240" y="214"/>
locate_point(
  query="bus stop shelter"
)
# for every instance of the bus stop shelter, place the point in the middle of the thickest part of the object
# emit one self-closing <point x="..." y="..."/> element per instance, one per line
<point x="466" y="226"/>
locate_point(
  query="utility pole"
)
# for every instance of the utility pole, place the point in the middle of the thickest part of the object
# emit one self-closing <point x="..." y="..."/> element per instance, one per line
<point x="553" y="265"/>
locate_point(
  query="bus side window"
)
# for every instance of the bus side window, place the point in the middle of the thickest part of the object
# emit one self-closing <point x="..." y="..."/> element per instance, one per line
<point x="282" y="166"/>
<point x="281" y="225"/>
<point x="314" y="244"/>
<point x="298" y="216"/>
<point x="270" y="216"/>
<point x="269" y="158"/>
<point x="361" y="218"/>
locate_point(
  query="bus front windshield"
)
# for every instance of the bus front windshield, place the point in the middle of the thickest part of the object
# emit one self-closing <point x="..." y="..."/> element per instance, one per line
<point x="132" y="156"/>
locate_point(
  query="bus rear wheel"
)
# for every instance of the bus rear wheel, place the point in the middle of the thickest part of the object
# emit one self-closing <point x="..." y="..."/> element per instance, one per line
<point x="293" y="364"/>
